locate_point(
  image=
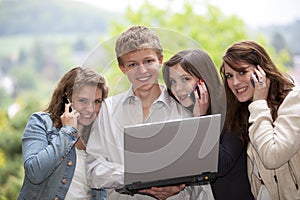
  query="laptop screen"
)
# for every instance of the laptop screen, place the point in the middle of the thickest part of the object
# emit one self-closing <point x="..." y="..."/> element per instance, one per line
<point x="170" y="149"/>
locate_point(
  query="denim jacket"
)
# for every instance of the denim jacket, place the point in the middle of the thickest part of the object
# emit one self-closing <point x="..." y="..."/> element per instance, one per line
<point x="49" y="158"/>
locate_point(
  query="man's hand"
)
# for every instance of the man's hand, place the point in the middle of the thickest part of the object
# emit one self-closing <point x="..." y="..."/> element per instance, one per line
<point x="163" y="193"/>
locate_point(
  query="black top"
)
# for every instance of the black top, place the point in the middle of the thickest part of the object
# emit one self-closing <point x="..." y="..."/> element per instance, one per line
<point x="232" y="182"/>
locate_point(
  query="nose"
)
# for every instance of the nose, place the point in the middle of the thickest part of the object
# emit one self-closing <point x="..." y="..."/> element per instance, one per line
<point x="142" y="68"/>
<point x="236" y="80"/>
<point x="90" y="107"/>
<point x="178" y="87"/>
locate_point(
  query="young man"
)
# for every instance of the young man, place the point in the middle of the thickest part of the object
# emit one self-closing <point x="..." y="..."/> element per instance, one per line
<point x="139" y="54"/>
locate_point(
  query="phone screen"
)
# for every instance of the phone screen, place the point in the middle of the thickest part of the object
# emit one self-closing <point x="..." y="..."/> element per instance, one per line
<point x="65" y="101"/>
<point x="252" y="81"/>
<point x="192" y="95"/>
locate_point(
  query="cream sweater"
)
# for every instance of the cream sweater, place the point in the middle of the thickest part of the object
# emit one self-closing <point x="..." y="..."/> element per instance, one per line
<point x="274" y="148"/>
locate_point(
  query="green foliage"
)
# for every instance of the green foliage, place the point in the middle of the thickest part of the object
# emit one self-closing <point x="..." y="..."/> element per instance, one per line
<point x="44" y="17"/>
<point x="11" y="178"/>
<point x="10" y="164"/>
<point x="284" y="36"/>
<point x="5" y="99"/>
<point x="213" y="31"/>
<point x="11" y="167"/>
<point x="281" y="59"/>
<point x="11" y="143"/>
<point x="26" y="79"/>
<point x="36" y="62"/>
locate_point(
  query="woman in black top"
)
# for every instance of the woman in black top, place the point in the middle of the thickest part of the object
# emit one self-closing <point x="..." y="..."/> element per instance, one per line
<point x="192" y="79"/>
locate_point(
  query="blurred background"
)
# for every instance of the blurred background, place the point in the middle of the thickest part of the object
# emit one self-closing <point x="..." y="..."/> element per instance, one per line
<point x="42" y="39"/>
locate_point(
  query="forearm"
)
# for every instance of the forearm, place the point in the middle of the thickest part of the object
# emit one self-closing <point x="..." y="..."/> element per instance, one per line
<point x="275" y="141"/>
<point x="103" y="174"/>
<point x="41" y="156"/>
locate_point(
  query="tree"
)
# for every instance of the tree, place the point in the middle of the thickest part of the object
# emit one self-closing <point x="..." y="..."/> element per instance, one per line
<point x="278" y="42"/>
<point x="212" y="30"/>
<point x="11" y="167"/>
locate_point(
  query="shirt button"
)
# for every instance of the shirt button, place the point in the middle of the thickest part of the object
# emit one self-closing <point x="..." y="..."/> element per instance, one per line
<point x="70" y="163"/>
<point x="64" y="181"/>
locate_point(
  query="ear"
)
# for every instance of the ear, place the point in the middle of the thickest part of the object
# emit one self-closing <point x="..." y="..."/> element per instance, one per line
<point x="122" y="68"/>
<point x="161" y="59"/>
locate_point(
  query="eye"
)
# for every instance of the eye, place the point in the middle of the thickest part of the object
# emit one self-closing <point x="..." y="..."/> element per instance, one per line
<point x="185" y="79"/>
<point x="131" y="65"/>
<point x="98" y="101"/>
<point x="148" y="62"/>
<point x="172" y="81"/>
<point x="228" y="76"/>
<point x="242" y="72"/>
<point x="84" y="101"/>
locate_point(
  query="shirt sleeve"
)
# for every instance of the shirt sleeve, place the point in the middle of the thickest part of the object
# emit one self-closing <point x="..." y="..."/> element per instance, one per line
<point x="102" y="170"/>
<point x="276" y="141"/>
<point x="43" y="148"/>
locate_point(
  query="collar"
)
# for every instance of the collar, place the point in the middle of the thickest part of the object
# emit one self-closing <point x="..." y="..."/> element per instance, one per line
<point x="163" y="98"/>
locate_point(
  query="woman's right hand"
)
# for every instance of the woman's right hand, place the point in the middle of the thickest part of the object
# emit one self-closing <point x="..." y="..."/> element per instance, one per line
<point x="262" y="84"/>
<point x="202" y="102"/>
<point x="69" y="118"/>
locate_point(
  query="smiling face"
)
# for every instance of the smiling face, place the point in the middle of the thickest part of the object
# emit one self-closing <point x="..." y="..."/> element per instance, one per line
<point x="87" y="101"/>
<point x="239" y="81"/>
<point x="142" y="69"/>
<point x="182" y="84"/>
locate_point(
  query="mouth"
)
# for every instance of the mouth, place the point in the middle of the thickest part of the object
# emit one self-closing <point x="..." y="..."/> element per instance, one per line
<point x="86" y="116"/>
<point x="144" y="78"/>
<point x="182" y="97"/>
<point x="241" y="90"/>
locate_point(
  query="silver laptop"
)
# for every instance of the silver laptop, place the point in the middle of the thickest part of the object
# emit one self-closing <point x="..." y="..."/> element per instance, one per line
<point x="183" y="151"/>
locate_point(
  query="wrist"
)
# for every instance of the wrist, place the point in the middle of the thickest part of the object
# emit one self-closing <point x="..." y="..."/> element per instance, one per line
<point x="70" y="130"/>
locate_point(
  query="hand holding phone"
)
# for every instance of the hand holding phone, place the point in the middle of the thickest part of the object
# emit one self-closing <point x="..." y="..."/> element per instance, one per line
<point x="252" y="81"/>
<point x="68" y="118"/>
<point x="66" y="101"/>
<point x="200" y="98"/>
<point x="192" y="94"/>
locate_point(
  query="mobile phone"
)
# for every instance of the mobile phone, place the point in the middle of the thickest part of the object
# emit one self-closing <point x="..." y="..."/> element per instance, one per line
<point x="66" y="101"/>
<point x="252" y="81"/>
<point x="192" y="95"/>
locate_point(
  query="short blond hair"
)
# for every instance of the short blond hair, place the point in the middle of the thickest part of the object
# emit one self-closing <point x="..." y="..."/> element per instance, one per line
<point x="135" y="38"/>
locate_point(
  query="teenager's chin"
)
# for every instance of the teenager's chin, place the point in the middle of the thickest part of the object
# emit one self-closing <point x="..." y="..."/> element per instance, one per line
<point x="186" y="104"/>
<point x="86" y="122"/>
<point x="244" y="99"/>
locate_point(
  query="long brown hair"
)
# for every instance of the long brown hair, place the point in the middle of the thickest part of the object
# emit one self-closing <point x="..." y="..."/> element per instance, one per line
<point x="280" y="84"/>
<point x="71" y="82"/>
<point x="198" y="63"/>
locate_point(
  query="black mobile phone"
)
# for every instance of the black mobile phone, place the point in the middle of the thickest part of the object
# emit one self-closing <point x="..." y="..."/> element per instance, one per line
<point x="192" y="95"/>
<point x="252" y="81"/>
<point x="65" y="101"/>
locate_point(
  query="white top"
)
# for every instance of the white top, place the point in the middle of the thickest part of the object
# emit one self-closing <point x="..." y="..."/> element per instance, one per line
<point x="105" y="146"/>
<point x="79" y="188"/>
<point x="274" y="148"/>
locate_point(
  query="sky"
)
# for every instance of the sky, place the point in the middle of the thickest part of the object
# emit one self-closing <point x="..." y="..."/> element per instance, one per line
<point x="255" y="13"/>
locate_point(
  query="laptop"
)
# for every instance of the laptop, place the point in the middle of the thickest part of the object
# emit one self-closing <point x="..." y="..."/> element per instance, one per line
<point x="168" y="153"/>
